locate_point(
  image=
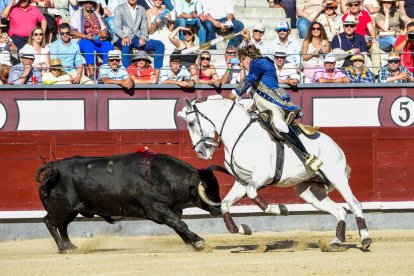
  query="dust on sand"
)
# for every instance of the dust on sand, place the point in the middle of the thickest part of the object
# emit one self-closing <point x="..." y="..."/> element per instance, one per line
<point x="269" y="253"/>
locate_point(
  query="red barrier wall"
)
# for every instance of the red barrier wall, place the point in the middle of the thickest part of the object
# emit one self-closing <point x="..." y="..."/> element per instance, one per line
<point x="381" y="160"/>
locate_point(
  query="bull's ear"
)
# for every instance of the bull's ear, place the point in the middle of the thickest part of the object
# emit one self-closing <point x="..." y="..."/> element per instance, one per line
<point x="181" y="115"/>
<point x="188" y="103"/>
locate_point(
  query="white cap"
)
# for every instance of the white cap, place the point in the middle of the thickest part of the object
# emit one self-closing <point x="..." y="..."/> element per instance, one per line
<point x="282" y="25"/>
<point x="25" y="52"/>
<point x="5" y="58"/>
<point x="259" y="27"/>
<point x="350" y="19"/>
<point x="114" y="54"/>
<point x="329" y="58"/>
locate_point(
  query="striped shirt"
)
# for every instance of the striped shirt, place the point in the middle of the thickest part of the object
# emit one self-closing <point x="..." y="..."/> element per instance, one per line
<point x="385" y="73"/>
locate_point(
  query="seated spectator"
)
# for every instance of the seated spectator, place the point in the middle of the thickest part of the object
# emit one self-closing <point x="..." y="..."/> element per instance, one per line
<point x="372" y="7"/>
<point x="388" y="21"/>
<point x="4" y="73"/>
<point x="190" y="12"/>
<point x="290" y="10"/>
<point x="176" y="73"/>
<point x="132" y="31"/>
<point x="34" y="45"/>
<point x="287" y="44"/>
<point x="56" y="75"/>
<point x="188" y="42"/>
<point x="69" y="54"/>
<point x="140" y="70"/>
<point x="255" y="39"/>
<point x="307" y="11"/>
<point x="109" y="10"/>
<point x="205" y="72"/>
<point x="230" y="72"/>
<point x="160" y="24"/>
<point x="357" y="72"/>
<point x="6" y="43"/>
<point x="330" y="20"/>
<point x="220" y="16"/>
<point x="329" y="74"/>
<point x="405" y="44"/>
<point x="24" y="72"/>
<point x="366" y="28"/>
<point x="23" y="18"/>
<point x="393" y="72"/>
<point x="406" y="7"/>
<point x="315" y="46"/>
<point x="87" y="25"/>
<point x="114" y="73"/>
<point x="286" y="73"/>
<point x="348" y="43"/>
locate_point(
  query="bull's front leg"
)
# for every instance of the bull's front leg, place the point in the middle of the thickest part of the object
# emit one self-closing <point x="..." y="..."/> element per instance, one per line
<point x="164" y="215"/>
<point x="237" y="192"/>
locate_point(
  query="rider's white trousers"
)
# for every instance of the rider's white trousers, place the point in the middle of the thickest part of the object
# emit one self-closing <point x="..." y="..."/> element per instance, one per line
<point x="278" y="114"/>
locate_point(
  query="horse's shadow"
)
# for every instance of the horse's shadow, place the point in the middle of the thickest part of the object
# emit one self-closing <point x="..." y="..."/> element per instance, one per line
<point x="285" y="245"/>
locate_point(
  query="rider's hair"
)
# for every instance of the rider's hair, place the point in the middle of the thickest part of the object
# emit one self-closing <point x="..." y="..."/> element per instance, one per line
<point x="249" y="51"/>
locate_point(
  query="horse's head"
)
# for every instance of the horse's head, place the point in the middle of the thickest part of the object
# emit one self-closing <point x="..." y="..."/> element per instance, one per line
<point x="201" y="128"/>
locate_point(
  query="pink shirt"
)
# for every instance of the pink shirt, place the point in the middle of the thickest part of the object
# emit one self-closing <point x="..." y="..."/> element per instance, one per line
<point x="22" y="21"/>
<point x="363" y="20"/>
<point x="321" y="73"/>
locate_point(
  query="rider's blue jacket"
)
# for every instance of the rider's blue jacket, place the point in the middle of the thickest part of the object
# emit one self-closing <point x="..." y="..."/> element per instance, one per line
<point x="263" y="80"/>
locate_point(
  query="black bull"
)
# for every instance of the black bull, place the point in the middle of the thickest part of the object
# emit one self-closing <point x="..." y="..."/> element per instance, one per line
<point x="142" y="185"/>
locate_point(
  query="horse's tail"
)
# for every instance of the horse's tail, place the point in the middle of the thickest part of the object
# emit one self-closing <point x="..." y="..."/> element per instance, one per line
<point x="348" y="171"/>
<point x="48" y="176"/>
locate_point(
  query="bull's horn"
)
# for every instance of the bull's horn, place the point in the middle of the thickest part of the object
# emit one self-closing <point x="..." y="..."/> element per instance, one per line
<point x="204" y="197"/>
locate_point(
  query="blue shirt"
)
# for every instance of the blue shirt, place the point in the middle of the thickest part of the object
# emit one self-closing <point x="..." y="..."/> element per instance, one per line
<point x="345" y="43"/>
<point x="17" y="70"/>
<point x="107" y="72"/>
<point x="69" y="55"/>
<point x="167" y="74"/>
<point x="3" y="4"/>
<point x="263" y="70"/>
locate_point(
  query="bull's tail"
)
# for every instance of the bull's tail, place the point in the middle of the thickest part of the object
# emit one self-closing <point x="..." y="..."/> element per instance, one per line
<point x="48" y="176"/>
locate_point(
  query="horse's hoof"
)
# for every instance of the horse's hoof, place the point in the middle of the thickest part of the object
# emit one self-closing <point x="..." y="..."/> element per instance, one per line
<point x="366" y="243"/>
<point x="245" y="230"/>
<point x="283" y="210"/>
<point x="199" y="245"/>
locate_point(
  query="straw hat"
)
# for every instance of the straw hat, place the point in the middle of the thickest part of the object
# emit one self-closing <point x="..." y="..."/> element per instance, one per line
<point x="56" y="63"/>
<point x="393" y="56"/>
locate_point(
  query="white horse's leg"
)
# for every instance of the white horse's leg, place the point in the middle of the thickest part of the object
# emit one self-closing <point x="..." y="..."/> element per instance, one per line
<point x="316" y="195"/>
<point x="237" y="192"/>
<point x="339" y="180"/>
<point x="276" y="209"/>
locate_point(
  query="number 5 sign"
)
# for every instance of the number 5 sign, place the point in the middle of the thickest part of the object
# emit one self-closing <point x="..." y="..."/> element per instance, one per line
<point x="402" y="111"/>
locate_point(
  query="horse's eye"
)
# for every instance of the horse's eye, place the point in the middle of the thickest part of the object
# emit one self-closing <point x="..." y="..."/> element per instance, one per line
<point x="190" y="124"/>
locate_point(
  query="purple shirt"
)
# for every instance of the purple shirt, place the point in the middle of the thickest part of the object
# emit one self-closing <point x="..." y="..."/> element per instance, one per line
<point x="321" y="73"/>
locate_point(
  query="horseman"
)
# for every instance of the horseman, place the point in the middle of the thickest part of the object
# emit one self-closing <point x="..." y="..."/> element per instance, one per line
<point x="268" y="96"/>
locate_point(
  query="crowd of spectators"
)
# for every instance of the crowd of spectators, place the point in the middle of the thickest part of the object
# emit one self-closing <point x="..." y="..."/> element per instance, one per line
<point x="128" y="42"/>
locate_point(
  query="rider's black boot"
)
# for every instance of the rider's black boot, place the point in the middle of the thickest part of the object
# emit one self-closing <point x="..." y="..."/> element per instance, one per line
<point x="293" y="140"/>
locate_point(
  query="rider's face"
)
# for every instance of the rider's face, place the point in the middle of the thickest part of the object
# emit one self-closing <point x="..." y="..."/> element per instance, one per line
<point x="245" y="62"/>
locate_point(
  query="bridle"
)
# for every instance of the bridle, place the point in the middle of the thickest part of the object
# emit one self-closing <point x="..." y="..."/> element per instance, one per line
<point x="208" y="142"/>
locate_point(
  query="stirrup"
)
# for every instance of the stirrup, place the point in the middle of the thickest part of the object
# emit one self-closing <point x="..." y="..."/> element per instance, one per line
<point x="313" y="162"/>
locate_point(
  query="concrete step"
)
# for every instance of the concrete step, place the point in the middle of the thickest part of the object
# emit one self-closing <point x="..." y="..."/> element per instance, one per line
<point x="263" y="13"/>
<point x="251" y="3"/>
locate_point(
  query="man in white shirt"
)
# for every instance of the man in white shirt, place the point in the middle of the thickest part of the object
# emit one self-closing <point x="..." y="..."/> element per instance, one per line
<point x="284" y="43"/>
<point x="230" y="72"/>
<point x="220" y="16"/>
<point x="256" y="38"/>
<point x="286" y="72"/>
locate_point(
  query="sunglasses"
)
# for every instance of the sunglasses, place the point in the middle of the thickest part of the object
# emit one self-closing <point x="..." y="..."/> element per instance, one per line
<point x="361" y="60"/>
<point x="205" y="58"/>
<point x="112" y="60"/>
<point x="257" y="31"/>
<point x="316" y="29"/>
<point x="349" y="26"/>
<point x="330" y="8"/>
<point x="280" y="57"/>
<point x="285" y="31"/>
<point x="187" y="33"/>
<point x="354" y="5"/>
<point x="232" y="53"/>
<point x="38" y="34"/>
<point x="393" y="61"/>
<point x="64" y="33"/>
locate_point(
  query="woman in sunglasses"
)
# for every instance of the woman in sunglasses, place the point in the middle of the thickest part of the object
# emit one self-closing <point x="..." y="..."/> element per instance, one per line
<point x="315" y="46"/>
<point x="187" y="43"/>
<point x="35" y="45"/>
<point x="205" y="72"/>
<point x="389" y="20"/>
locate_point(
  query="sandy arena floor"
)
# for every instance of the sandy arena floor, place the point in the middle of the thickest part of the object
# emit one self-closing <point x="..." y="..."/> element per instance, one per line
<point x="287" y="253"/>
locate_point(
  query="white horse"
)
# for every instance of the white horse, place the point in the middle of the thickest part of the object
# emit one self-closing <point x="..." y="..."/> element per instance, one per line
<point x="251" y="156"/>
